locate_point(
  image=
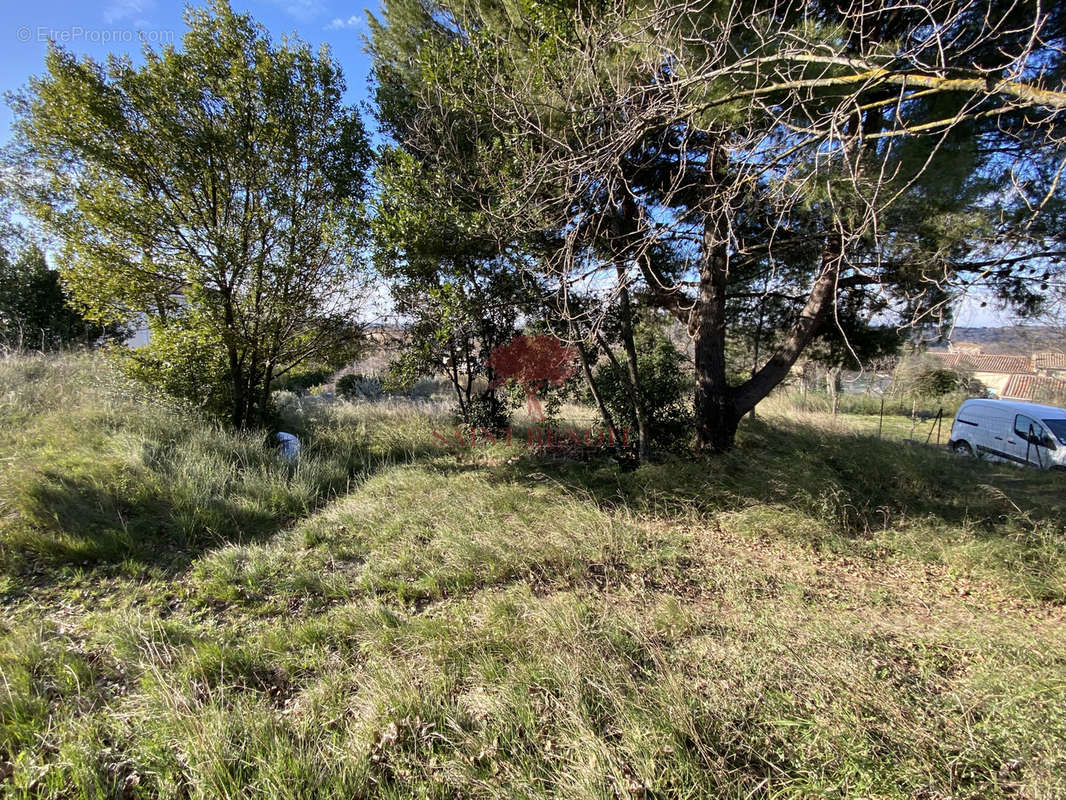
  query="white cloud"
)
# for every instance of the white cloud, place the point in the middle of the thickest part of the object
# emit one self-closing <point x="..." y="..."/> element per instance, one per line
<point x="302" y="10"/>
<point x="354" y="21"/>
<point x="124" y="9"/>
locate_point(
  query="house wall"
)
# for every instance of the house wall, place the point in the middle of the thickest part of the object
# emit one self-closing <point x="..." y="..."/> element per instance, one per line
<point x="996" y="381"/>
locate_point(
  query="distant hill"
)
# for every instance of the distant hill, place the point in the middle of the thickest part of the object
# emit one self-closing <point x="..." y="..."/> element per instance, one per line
<point x="1012" y="339"/>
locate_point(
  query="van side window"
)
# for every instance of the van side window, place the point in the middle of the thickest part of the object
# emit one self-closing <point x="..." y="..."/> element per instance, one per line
<point x="1022" y="427"/>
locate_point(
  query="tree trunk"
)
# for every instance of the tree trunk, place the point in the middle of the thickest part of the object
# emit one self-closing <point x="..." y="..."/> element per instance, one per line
<point x="717" y="414"/>
<point x="716" y="418"/>
<point x="264" y="398"/>
<point x="239" y="403"/>
<point x="720" y="407"/>
<point x="621" y="239"/>
<point x="498" y="416"/>
<point x="803" y="330"/>
<point x="496" y="419"/>
<point x="453" y="375"/>
<point x="252" y="413"/>
<point x="832" y="387"/>
<point x="628" y="345"/>
<point x="586" y="369"/>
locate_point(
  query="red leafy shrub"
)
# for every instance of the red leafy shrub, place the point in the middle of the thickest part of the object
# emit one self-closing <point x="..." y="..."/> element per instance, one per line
<point x="534" y="363"/>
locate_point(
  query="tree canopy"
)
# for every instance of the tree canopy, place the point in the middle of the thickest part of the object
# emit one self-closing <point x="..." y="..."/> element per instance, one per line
<point x="807" y="163"/>
<point x="451" y="282"/>
<point x="215" y="191"/>
<point x="34" y="308"/>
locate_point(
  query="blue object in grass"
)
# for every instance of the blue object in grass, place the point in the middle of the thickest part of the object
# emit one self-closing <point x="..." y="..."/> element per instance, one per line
<point x="289" y="447"/>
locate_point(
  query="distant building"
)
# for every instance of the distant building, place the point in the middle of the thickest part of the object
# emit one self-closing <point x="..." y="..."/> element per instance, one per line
<point x="993" y="371"/>
<point x="1040" y="378"/>
<point x="1052" y="365"/>
<point x="1035" y="388"/>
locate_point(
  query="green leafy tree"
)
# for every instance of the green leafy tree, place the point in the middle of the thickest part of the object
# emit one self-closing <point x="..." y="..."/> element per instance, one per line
<point x="34" y="308"/>
<point x="215" y="191"/>
<point x="454" y="287"/>
<point x="784" y="160"/>
<point x="851" y="343"/>
<point x="935" y="383"/>
<point x="921" y="377"/>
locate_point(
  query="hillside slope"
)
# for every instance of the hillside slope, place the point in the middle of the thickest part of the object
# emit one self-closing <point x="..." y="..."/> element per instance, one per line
<point x="818" y="614"/>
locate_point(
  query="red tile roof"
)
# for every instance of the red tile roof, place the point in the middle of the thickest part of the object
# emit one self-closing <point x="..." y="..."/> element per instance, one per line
<point x="1034" y="387"/>
<point x="1049" y="360"/>
<point x="950" y="360"/>
<point x="1006" y="365"/>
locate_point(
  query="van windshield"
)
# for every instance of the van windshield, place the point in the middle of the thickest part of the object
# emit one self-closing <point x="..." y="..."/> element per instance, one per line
<point x="1058" y="427"/>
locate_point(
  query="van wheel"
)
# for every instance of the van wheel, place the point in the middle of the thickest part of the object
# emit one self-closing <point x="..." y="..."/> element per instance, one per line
<point x="962" y="448"/>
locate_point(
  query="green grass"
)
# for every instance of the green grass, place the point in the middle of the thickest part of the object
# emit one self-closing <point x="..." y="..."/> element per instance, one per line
<point x="818" y="614"/>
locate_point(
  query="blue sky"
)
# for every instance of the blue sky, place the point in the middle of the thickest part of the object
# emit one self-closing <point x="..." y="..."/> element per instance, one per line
<point x="117" y="26"/>
<point x="120" y="26"/>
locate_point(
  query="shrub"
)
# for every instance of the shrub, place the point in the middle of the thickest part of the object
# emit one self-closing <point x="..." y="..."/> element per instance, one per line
<point x="486" y="410"/>
<point x="183" y="362"/>
<point x="302" y="379"/>
<point x="356" y="386"/>
<point x="665" y="385"/>
<point x="288" y="409"/>
<point x="937" y="382"/>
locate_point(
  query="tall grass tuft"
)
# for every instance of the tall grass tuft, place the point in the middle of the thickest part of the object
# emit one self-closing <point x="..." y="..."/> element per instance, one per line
<point x="99" y="470"/>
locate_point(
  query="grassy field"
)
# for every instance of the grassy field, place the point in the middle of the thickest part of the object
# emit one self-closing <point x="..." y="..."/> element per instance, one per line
<point x="820" y="613"/>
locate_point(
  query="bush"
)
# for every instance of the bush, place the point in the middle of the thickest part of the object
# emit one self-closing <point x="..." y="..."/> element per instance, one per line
<point x="935" y="383"/>
<point x="486" y="411"/>
<point x="288" y="409"/>
<point x="184" y="362"/>
<point x="666" y="386"/>
<point x="301" y="380"/>
<point x="356" y="386"/>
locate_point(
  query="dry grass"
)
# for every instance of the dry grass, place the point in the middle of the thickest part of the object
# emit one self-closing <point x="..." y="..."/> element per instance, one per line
<point x="819" y="614"/>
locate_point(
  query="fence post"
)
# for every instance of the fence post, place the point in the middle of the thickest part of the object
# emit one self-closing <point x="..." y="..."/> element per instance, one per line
<point x="1029" y="436"/>
<point x="935" y="426"/>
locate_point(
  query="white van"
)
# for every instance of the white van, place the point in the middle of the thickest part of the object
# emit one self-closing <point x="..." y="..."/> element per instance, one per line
<point x="1003" y="430"/>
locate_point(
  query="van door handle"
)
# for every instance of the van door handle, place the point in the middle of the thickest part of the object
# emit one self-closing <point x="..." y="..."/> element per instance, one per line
<point x="999" y="438"/>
